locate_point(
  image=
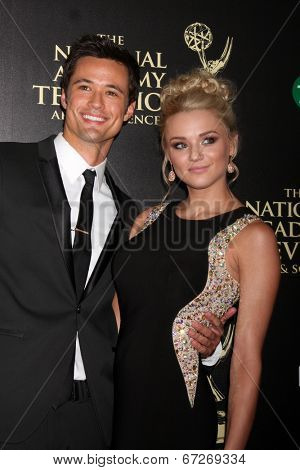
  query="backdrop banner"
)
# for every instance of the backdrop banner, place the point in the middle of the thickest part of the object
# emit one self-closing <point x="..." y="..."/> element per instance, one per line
<point x="255" y="43"/>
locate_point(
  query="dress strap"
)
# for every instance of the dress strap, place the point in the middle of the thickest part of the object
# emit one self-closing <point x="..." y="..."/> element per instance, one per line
<point x="222" y="239"/>
<point x="153" y="215"/>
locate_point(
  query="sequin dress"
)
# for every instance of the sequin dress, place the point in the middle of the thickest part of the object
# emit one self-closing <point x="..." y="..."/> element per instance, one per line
<point x="166" y="276"/>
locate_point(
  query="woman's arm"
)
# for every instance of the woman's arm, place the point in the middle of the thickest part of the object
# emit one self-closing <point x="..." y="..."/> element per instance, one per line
<point x="256" y="251"/>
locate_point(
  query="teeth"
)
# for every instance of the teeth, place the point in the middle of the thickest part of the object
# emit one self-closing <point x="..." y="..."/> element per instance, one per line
<point x="93" y="118"/>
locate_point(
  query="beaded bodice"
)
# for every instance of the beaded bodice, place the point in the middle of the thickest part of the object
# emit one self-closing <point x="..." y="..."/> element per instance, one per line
<point x="220" y="292"/>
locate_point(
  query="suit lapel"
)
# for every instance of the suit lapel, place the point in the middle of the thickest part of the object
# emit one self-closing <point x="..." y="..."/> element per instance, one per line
<point x="60" y="209"/>
<point x="57" y="199"/>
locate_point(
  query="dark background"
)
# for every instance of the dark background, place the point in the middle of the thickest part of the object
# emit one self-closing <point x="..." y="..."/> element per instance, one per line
<point x="264" y="65"/>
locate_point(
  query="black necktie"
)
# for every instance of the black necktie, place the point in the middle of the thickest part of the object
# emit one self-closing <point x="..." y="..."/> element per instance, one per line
<point x="82" y="245"/>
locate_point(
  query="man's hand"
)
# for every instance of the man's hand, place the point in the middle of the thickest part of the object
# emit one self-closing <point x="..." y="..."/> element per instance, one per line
<point x="206" y="339"/>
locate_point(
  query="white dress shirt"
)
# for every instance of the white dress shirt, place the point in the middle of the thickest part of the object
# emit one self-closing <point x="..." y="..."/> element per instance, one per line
<point x="72" y="165"/>
<point x="213" y="359"/>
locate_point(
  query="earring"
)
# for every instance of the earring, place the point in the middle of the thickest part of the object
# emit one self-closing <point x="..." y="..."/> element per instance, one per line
<point x="171" y="175"/>
<point x="230" y="168"/>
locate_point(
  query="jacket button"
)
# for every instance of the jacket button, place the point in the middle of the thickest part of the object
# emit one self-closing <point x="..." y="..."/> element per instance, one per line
<point x="78" y="308"/>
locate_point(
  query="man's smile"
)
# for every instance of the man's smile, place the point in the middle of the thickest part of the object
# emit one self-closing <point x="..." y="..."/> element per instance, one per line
<point x="90" y="117"/>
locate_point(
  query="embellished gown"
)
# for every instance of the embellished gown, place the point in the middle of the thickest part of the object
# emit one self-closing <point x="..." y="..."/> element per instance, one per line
<point x="168" y="274"/>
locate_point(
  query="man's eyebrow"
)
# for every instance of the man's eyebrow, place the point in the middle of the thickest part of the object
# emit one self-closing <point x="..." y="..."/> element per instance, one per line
<point x="86" y="80"/>
<point x="107" y="85"/>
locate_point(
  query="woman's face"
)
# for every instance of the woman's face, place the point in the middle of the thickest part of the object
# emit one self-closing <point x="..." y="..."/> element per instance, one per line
<point x="198" y="145"/>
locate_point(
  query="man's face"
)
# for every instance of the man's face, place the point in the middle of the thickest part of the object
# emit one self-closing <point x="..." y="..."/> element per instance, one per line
<point x="96" y="104"/>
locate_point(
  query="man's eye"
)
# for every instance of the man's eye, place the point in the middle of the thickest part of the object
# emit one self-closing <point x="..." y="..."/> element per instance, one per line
<point x="111" y="93"/>
<point x="84" y="87"/>
<point x="208" y="140"/>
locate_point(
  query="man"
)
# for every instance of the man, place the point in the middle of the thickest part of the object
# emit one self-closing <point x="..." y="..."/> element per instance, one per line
<point x="62" y="216"/>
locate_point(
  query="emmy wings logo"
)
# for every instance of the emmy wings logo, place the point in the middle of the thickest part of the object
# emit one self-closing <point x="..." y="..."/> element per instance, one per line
<point x="198" y="37"/>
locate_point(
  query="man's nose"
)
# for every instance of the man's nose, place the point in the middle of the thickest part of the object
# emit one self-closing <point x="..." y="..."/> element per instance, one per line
<point x="97" y="99"/>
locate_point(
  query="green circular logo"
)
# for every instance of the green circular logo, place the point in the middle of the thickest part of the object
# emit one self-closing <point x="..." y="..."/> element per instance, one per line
<point x="296" y="91"/>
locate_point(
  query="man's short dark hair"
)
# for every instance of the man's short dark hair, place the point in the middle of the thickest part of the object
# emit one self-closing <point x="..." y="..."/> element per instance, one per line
<point x="102" y="48"/>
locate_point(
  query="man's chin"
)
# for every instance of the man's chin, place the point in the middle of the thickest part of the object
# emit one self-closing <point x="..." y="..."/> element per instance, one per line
<point x="94" y="138"/>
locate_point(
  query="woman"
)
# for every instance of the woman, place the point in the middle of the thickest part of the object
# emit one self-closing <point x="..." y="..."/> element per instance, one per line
<point x="184" y="258"/>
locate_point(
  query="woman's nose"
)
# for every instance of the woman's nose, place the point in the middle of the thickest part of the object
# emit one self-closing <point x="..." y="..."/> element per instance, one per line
<point x="196" y="152"/>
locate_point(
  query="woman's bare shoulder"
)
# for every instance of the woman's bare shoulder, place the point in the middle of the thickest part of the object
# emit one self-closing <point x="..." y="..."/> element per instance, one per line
<point x="257" y="233"/>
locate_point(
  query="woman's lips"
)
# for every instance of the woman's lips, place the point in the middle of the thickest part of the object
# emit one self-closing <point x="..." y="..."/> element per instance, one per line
<point x="198" y="169"/>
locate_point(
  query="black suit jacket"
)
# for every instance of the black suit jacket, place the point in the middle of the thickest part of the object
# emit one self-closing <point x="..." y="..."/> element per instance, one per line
<point x="39" y="313"/>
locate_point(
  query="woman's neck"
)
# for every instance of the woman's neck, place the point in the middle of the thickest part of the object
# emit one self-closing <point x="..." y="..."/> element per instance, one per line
<point x="205" y="203"/>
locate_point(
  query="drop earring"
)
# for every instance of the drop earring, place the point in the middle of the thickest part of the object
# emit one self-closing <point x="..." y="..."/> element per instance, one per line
<point x="171" y="175"/>
<point x="230" y="168"/>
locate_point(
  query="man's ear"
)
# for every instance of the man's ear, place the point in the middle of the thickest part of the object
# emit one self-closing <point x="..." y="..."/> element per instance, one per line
<point x="130" y="111"/>
<point x="63" y="99"/>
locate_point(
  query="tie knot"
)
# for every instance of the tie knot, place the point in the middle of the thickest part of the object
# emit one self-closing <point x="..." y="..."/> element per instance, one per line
<point x="89" y="176"/>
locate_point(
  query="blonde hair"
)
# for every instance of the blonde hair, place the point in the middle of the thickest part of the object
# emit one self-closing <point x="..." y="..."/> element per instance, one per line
<point x="198" y="89"/>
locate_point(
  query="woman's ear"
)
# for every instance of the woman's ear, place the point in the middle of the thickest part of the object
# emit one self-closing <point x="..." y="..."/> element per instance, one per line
<point x="234" y="144"/>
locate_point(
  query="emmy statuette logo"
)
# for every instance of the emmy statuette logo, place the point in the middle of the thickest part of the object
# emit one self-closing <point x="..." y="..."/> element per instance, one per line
<point x="198" y="38"/>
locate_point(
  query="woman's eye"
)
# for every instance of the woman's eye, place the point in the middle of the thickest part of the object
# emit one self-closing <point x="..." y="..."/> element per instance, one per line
<point x="208" y="140"/>
<point x="179" y="145"/>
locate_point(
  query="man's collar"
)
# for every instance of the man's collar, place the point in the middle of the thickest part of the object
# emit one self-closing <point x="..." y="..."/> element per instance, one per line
<point x="74" y="164"/>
